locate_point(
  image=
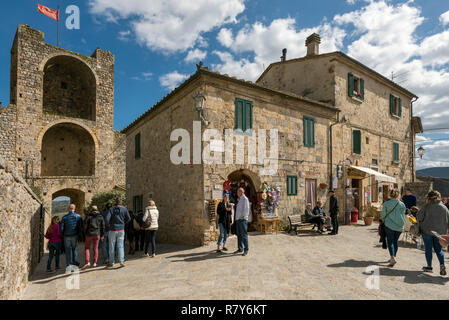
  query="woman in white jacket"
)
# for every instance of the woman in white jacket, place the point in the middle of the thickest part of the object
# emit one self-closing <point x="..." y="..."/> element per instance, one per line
<point x="150" y="226"/>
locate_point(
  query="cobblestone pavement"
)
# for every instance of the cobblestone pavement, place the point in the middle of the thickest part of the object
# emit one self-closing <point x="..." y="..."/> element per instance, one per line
<point x="304" y="266"/>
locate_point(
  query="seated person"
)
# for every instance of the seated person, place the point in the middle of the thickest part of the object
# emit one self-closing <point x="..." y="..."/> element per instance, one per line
<point x="318" y="210"/>
<point x="311" y="217"/>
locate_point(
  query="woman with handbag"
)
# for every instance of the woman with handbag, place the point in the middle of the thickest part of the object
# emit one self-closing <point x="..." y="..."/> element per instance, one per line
<point x="150" y="225"/>
<point x="224" y="211"/>
<point x="392" y="216"/>
<point x="434" y="216"/>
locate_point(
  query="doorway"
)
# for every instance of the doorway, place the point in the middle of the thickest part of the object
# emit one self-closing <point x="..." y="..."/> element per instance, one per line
<point x="238" y="180"/>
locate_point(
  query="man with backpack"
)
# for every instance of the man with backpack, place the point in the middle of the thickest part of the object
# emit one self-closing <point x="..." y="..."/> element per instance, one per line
<point x="116" y="220"/>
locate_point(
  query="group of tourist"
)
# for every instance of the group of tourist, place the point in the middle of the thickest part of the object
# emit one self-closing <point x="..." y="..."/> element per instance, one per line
<point x="106" y="230"/>
<point x="318" y="217"/>
<point x="432" y="222"/>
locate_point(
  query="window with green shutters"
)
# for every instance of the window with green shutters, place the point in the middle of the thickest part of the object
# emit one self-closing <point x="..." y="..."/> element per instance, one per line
<point x="137" y="146"/>
<point x="292" y="185"/>
<point x="395" y="106"/>
<point x="356" y="87"/>
<point x="395" y="152"/>
<point x="137" y="203"/>
<point x="309" y="132"/>
<point x="356" y="141"/>
<point x="243" y="115"/>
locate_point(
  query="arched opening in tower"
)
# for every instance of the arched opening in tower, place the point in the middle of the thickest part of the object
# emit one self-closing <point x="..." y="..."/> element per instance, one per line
<point x="69" y="88"/>
<point x="67" y="150"/>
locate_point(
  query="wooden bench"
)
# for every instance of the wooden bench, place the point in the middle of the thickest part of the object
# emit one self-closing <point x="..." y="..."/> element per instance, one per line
<point x="298" y="221"/>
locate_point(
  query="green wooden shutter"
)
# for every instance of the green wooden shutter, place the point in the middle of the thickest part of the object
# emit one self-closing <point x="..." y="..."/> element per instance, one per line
<point x="248" y="110"/>
<point x="395" y="152"/>
<point x="391" y="104"/>
<point x="309" y="132"/>
<point x="400" y="107"/>
<point x="356" y="141"/>
<point x="137" y="146"/>
<point x="362" y="89"/>
<point x="292" y="185"/>
<point x="238" y="114"/>
<point x="350" y="84"/>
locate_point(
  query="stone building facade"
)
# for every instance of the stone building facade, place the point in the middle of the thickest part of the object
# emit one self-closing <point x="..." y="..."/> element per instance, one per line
<point x="21" y="229"/>
<point x="183" y="190"/>
<point x="340" y="125"/>
<point x="58" y="129"/>
<point x="376" y="128"/>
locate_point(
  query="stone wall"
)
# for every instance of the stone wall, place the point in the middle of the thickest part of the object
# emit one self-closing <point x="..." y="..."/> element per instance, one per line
<point x="47" y="105"/>
<point x="420" y="189"/>
<point x="176" y="189"/>
<point x="20" y="230"/>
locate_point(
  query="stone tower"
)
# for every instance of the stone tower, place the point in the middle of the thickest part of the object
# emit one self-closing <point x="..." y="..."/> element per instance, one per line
<point x="58" y="129"/>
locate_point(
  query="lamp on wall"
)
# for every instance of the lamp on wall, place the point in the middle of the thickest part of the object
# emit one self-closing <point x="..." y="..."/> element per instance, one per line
<point x="200" y="101"/>
<point x="421" y="152"/>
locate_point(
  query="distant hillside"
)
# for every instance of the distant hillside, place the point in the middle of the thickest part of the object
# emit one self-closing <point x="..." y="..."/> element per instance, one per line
<point x="440" y="172"/>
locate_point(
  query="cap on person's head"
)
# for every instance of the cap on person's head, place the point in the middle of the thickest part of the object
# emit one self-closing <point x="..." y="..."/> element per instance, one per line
<point x="331" y="191"/>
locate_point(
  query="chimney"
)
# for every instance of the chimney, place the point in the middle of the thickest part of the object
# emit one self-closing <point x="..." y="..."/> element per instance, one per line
<point x="313" y="44"/>
<point x="284" y="55"/>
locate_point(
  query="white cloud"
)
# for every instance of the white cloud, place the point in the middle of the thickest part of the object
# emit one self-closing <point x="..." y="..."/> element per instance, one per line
<point x="266" y="42"/>
<point x="225" y="37"/>
<point x="172" y="80"/>
<point x="169" y="25"/>
<point x="145" y="76"/>
<point x="444" y="18"/>
<point x="195" y="55"/>
<point x="350" y="1"/>
<point x="124" y="35"/>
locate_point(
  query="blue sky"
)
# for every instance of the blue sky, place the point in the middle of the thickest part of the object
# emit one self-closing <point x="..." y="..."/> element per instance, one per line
<point x="157" y="43"/>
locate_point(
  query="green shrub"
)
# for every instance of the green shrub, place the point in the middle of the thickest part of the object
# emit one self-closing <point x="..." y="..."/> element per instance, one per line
<point x="102" y="198"/>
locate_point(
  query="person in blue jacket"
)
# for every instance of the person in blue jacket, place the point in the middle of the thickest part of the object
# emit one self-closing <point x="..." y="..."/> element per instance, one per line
<point x="71" y="227"/>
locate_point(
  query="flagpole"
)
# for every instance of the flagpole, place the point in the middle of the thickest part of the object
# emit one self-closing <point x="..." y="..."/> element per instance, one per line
<point x="58" y="29"/>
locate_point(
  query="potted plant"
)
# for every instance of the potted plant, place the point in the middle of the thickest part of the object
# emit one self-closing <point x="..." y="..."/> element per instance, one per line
<point x="368" y="217"/>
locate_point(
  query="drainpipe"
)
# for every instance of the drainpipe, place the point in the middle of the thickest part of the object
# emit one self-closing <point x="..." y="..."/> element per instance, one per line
<point x="330" y="148"/>
<point x="413" y="139"/>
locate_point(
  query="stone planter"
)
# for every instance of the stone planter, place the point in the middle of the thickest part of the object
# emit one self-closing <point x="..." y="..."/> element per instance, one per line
<point x="368" y="220"/>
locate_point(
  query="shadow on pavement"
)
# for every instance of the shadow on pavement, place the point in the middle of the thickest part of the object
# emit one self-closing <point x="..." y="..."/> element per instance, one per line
<point x="356" y="264"/>
<point x="192" y="257"/>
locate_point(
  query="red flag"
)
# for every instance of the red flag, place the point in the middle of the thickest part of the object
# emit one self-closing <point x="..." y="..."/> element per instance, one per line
<point x="54" y="14"/>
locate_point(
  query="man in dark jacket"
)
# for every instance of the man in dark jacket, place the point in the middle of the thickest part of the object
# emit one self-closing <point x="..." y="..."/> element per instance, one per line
<point x="71" y="227"/>
<point x="94" y="230"/>
<point x="116" y="219"/>
<point x="333" y="210"/>
<point x="409" y="199"/>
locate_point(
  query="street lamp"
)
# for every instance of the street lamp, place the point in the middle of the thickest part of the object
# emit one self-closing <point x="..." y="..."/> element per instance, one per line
<point x="421" y="152"/>
<point x="200" y="101"/>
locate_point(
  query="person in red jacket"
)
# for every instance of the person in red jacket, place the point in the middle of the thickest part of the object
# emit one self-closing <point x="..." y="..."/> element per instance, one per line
<point x="53" y="234"/>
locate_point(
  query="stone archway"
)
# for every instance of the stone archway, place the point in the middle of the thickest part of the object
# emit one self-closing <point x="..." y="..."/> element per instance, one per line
<point x="67" y="149"/>
<point x="69" y="88"/>
<point x="77" y="197"/>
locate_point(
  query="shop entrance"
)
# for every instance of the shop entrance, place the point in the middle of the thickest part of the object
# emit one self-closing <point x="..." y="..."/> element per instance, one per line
<point x="241" y="179"/>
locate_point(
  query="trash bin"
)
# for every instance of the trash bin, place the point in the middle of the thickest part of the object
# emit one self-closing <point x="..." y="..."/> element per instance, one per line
<point x="354" y="215"/>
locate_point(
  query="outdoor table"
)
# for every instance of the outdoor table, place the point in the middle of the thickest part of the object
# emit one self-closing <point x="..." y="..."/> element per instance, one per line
<point x="265" y="221"/>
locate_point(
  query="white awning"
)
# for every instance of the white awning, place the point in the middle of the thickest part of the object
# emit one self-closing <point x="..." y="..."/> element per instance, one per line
<point x="379" y="176"/>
